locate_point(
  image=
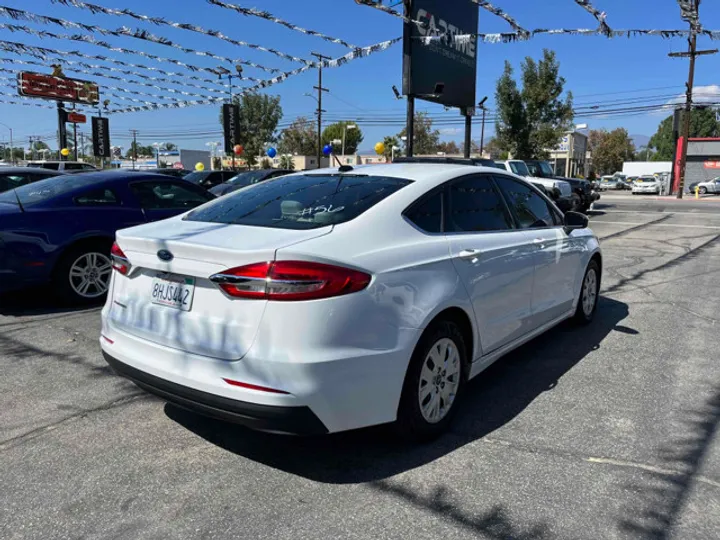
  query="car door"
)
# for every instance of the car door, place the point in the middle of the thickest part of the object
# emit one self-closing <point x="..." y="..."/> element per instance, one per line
<point x="557" y="254"/>
<point x="164" y="198"/>
<point x="716" y="186"/>
<point x="493" y="259"/>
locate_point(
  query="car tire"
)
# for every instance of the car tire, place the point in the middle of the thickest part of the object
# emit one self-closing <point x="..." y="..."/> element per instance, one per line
<point x="417" y="420"/>
<point x="589" y="295"/>
<point x="86" y="263"/>
<point x="702" y="190"/>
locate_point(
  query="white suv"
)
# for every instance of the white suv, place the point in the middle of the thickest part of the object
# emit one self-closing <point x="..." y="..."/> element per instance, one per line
<point x="63" y="166"/>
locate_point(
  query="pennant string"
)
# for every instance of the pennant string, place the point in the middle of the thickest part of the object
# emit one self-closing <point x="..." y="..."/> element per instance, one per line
<point x="251" y="12"/>
<point x="600" y="16"/>
<point x="159" y="21"/>
<point x="522" y="32"/>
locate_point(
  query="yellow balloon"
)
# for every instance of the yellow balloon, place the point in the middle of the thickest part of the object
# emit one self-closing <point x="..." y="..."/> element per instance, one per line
<point x="380" y="148"/>
<point x="65" y="152"/>
<point x="199" y="166"/>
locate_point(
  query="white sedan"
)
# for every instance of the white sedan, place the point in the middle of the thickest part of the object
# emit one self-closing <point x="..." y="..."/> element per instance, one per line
<point x="646" y="184"/>
<point x="331" y="300"/>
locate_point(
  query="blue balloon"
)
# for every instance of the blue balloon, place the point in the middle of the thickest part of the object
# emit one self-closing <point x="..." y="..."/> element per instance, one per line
<point x="327" y="150"/>
<point x="271" y="152"/>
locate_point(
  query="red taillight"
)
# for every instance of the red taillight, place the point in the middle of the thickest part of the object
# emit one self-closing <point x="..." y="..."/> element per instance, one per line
<point x="290" y="280"/>
<point x="119" y="261"/>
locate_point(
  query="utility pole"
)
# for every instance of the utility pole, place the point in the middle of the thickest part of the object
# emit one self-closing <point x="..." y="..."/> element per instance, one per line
<point x="75" y="137"/>
<point x="134" y="148"/>
<point x="482" y="107"/>
<point x="62" y="128"/>
<point x="693" y="53"/>
<point x="469" y="112"/>
<point x="321" y="58"/>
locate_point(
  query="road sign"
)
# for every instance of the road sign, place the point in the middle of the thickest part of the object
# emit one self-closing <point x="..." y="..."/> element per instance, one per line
<point x="76" y="118"/>
<point x="45" y="86"/>
<point x="177" y="165"/>
<point x="101" y="136"/>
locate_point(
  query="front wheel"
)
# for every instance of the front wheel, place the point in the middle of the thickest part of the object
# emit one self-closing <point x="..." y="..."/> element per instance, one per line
<point x="589" y="292"/>
<point x="434" y="381"/>
<point x="703" y="190"/>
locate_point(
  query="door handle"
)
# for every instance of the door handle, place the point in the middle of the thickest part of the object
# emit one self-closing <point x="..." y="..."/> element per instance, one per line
<point x="469" y="253"/>
<point x="539" y="242"/>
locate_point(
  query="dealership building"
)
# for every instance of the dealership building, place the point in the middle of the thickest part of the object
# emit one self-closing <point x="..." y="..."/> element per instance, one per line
<point x="703" y="160"/>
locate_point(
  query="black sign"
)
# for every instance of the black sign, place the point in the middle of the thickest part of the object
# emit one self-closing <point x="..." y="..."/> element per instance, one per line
<point x="231" y="126"/>
<point x="441" y="70"/>
<point x="101" y="136"/>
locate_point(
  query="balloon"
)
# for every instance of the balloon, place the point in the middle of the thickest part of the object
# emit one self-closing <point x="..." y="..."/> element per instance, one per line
<point x="271" y="152"/>
<point x="199" y="166"/>
<point x="238" y="149"/>
<point x="65" y="152"/>
<point x="380" y="148"/>
<point x="327" y="150"/>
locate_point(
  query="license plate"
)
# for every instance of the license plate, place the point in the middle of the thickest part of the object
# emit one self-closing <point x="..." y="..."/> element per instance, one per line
<point x="173" y="291"/>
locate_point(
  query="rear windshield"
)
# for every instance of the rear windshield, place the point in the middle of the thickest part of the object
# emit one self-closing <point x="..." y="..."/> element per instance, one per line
<point x="43" y="190"/>
<point x="248" y="178"/>
<point x="300" y="202"/>
<point x="196" y="177"/>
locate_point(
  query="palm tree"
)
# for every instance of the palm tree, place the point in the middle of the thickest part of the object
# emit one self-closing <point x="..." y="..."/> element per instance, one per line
<point x="286" y="162"/>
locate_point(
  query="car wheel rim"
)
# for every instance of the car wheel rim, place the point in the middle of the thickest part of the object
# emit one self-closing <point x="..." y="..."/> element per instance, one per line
<point x="439" y="380"/>
<point x="589" y="295"/>
<point x="90" y="275"/>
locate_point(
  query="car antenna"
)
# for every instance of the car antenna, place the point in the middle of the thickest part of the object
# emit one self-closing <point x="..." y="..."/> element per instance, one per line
<point x="18" y="200"/>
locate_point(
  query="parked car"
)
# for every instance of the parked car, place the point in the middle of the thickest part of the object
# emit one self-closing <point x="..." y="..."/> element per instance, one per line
<point x="341" y="298"/>
<point x="209" y="179"/>
<point x="12" y="177"/>
<point x="560" y="190"/>
<point x="63" y="166"/>
<point x="646" y="184"/>
<point x="170" y="171"/>
<point x="583" y="189"/>
<point x="247" y="179"/>
<point x="713" y="186"/>
<point x="482" y="162"/>
<point x="60" y="230"/>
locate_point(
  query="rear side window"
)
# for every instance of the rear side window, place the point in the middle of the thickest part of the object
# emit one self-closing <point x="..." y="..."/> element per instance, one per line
<point x="97" y="197"/>
<point x="476" y="206"/>
<point x="530" y="209"/>
<point x="427" y="214"/>
<point x="74" y="167"/>
<point x="168" y="196"/>
<point x="300" y="202"/>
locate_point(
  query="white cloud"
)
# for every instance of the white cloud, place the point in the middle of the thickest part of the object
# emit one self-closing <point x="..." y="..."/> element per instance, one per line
<point x="701" y="94"/>
<point x="452" y="131"/>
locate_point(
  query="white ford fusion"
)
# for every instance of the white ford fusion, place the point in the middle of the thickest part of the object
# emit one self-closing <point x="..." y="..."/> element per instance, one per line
<point x="332" y="300"/>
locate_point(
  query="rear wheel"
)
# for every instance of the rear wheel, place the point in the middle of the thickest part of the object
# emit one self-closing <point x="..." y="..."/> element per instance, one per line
<point x="434" y="381"/>
<point x="589" y="292"/>
<point x="83" y="274"/>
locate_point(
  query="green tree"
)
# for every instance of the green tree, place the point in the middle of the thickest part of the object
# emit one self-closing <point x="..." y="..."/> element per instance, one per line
<point x="532" y="120"/>
<point x="426" y="139"/>
<point x="449" y="147"/>
<point x="142" y="151"/>
<point x="39" y="145"/>
<point x="287" y="162"/>
<point x="353" y="137"/>
<point x="170" y="147"/>
<point x="389" y="143"/>
<point x="703" y="123"/>
<point x="299" y="138"/>
<point x="611" y="150"/>
<point x="259" y="115"/>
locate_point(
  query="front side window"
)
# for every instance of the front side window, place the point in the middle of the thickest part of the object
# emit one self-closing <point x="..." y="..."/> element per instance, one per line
<point x="519" y="168"/>
<point x="306" y="201"/>
<point x="530" y="209"/>
<point x="476" y="206"/>
<point x="74" y="167"/>
<point x="427" y="214"/>
<point x="168" y="196"/>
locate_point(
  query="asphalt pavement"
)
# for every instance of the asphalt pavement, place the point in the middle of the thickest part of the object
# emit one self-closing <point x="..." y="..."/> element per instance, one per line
<point x="607" y="431"/>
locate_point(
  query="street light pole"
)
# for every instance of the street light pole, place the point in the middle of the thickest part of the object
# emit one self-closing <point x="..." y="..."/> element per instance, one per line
<point x="481" y="105"/>
<point x="12" y="154"/>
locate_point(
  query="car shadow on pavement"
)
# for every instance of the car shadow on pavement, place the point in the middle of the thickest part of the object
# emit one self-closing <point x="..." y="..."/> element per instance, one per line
<point x="37" y="301"/>
<point x="492" y="399"/>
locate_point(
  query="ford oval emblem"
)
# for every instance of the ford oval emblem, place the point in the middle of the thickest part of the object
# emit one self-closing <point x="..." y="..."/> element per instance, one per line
<point x="165" y="255"/>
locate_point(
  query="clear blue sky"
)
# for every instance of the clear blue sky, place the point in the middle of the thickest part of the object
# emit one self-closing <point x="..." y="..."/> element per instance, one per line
<point x="596" y="69"/>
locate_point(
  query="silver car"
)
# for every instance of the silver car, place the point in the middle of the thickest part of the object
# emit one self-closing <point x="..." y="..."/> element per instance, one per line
<point x="713" y="186"/>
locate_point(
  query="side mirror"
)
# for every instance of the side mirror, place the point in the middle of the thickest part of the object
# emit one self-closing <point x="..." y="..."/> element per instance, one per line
<point x="575" y="220"/>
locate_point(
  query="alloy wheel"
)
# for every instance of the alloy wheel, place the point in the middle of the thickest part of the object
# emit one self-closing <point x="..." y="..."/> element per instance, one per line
<point x="439" y="380"/>
<point x="589" y="293"/>
<point x="90" y="275"/>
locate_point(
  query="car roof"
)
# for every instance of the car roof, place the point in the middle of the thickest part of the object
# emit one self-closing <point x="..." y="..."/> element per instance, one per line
<point x="26" y="170"/>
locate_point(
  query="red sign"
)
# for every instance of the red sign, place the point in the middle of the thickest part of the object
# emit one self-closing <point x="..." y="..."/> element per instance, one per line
<point x="712" y="164"/>
<point x="59" y="88"/>
<point x="177" y="165"/>
<point x="76" y="118"/>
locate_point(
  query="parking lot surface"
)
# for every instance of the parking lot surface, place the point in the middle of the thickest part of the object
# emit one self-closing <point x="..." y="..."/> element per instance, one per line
<point x="608" y="431"/>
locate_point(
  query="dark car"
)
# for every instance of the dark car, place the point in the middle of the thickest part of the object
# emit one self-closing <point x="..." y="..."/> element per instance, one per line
<point x="60" y="230"/>
<point x="167" y="171"/>
<point x="209" y="179"/>
<point x="586" y="196"/>
<point x="12" y="177"/>
<point x="247" y="179"/>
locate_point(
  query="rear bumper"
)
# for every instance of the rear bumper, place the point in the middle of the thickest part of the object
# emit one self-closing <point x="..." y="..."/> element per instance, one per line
<point x="293" y="420"/>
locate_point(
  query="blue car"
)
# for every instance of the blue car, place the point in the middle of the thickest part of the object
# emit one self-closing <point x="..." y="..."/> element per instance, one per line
<point x="59" y="231"/>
